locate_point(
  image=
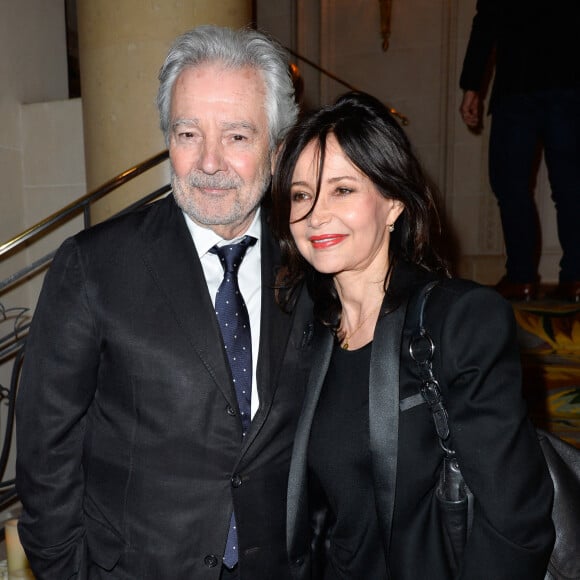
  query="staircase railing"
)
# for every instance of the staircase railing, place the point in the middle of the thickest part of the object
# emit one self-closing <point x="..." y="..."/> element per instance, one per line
<point x="81" y="205"/>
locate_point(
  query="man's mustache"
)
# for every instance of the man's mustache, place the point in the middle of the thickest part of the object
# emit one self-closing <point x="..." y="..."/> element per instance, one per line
<point x="213" y="181"/>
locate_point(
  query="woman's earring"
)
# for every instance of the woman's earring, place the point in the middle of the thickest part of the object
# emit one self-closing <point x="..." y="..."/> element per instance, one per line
<point x="391" y="228"/>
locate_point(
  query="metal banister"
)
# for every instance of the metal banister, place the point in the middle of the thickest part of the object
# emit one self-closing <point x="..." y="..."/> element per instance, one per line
<point x="81" y="204"/>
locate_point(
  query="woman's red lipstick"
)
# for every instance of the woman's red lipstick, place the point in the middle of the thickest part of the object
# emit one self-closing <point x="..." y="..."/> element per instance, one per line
<point x="326" y="240"/>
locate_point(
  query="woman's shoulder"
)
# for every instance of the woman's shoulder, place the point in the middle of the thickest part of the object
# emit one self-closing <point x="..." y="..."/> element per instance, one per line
<point x="454" y="289"/>
<point x="461" y="305"/>
<point x="409" y="280"/>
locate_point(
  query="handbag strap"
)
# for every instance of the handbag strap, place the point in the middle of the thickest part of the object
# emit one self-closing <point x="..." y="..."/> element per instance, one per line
<point x="422" y="349"/>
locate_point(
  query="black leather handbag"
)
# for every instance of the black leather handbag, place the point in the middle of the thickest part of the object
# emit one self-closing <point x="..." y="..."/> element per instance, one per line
<point x="453" y="495"/>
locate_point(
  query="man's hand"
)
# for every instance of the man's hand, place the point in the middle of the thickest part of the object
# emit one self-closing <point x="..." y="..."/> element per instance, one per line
<point x="471" y="109"/>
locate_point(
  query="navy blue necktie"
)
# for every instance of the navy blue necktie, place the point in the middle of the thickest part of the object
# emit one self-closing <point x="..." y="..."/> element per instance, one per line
<point x="234" y="321"/>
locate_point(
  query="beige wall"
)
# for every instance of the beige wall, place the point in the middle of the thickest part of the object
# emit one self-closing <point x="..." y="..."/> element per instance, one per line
<point x="33" y="69"/>
<point x="53" y="170"/>
<point x="40" y="137"/>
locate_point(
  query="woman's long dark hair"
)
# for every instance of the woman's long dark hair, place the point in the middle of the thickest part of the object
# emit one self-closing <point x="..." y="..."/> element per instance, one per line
<point x="375" y="143"/>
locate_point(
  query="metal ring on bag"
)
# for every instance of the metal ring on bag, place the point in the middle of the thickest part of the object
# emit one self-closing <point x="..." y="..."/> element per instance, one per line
<point x="450" y="453"/>
<point x="421" y="348"/>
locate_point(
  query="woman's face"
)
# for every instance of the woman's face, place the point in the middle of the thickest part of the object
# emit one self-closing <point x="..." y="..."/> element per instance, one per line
<point x="347" y="230"/>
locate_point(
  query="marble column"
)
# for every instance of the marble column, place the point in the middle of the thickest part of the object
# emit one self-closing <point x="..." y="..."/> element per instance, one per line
<point x="122" y="44"/>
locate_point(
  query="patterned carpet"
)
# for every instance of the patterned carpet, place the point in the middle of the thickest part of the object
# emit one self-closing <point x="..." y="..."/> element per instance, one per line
<point x="549" y="336"/>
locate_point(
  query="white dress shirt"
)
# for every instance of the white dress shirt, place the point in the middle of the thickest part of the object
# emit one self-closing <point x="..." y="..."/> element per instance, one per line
<point x="249" y="279"/>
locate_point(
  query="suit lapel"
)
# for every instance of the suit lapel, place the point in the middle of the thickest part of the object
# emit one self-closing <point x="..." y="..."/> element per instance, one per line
<point x="384" y="414"/>
<point x="275" y="327"/>
<point x="297" y="480"/>
<point x="182" y="283"/>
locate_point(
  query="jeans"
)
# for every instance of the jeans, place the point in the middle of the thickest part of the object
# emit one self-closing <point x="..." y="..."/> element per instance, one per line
<point x="520" y="124"/>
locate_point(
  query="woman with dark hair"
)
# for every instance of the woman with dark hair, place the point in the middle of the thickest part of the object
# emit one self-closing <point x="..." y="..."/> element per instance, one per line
<point x="356" y="218"/>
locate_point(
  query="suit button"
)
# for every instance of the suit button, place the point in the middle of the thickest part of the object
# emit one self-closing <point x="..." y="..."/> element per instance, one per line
<point x="298" y="562"/>
<point x="236" y="480"/>
<point x="210" y="561"/>
<point x="230" y="411"/>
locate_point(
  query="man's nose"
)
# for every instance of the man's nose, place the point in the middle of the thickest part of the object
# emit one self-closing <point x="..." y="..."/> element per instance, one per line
<point x="212" y="156"/>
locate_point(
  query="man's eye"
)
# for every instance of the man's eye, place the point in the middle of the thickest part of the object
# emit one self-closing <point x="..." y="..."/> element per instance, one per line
<point x="239" y="138"/>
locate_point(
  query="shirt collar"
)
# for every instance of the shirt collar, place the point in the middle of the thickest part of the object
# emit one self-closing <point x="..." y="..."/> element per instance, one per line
<point x="205" y="238"/>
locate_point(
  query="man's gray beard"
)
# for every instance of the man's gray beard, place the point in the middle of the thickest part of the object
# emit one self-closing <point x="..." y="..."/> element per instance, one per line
<point x="188" y="205"/>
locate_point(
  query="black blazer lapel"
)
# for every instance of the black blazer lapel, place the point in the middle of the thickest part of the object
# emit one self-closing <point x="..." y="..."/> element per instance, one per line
<point x="384" y="414"/>
<point x="297" y="501"/>
<point x="182" y="282"/>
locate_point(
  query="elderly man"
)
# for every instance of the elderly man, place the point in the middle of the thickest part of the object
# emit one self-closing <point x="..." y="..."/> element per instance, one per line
<point x="162" y="384"/>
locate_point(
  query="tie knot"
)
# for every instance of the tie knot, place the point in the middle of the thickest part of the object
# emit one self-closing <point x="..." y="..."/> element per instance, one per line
<point x="231" y="255"/>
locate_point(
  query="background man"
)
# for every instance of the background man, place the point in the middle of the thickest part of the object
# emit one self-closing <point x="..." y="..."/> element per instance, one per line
<point x="136" y="455"/>
<point x="535" y="99"/>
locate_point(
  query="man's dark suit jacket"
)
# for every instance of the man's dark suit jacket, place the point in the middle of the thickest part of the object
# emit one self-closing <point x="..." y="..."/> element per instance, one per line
<point x="130" y="454"/>
<point x="477" y="364"/>
<point x="536" y="44"/>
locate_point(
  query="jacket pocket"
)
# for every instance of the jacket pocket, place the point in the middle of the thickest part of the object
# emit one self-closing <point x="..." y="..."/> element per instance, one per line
<point x="104" y="544"/>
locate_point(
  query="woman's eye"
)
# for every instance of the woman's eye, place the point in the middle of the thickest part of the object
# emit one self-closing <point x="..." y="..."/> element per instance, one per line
<point x="300" y="196"/>
<point x="343" y="190"/>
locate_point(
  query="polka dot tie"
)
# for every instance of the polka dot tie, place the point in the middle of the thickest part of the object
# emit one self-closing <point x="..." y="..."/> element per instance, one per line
<point x="234" y="321"/>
